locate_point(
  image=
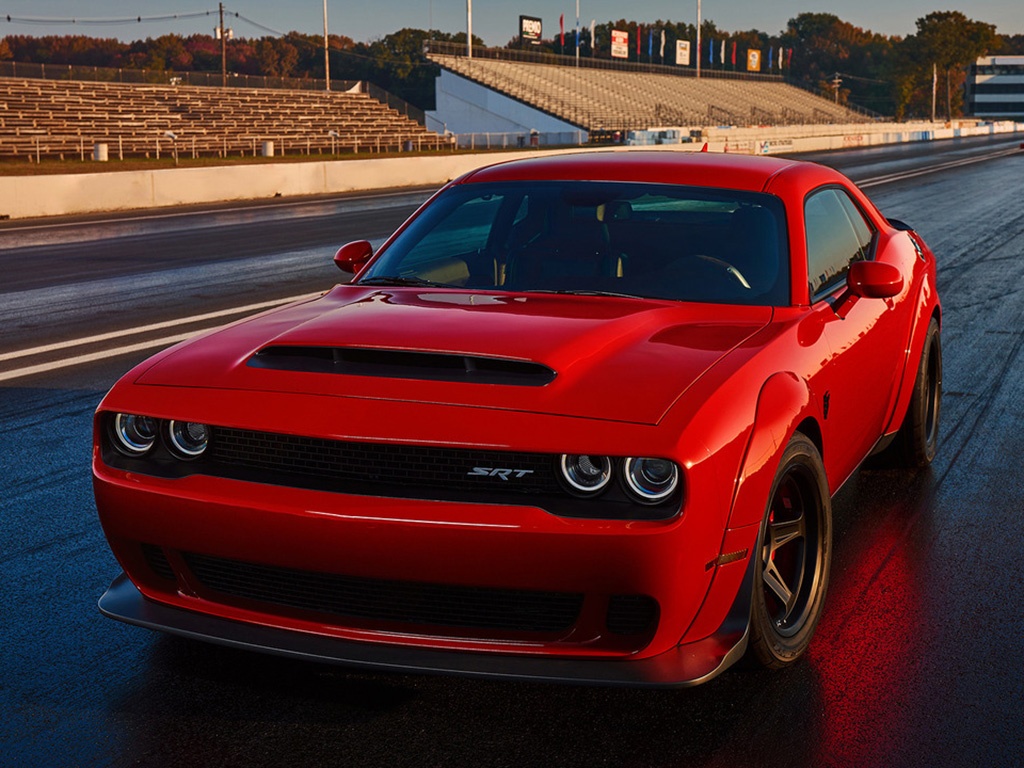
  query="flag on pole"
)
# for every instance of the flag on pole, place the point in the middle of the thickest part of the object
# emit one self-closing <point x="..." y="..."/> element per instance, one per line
<point x="780" y="57"/>
<point x="711" y="51"/>
<point x="734" y="53"/>
<point x="650" y="44"/>
<point x="593" y="42"/>
<point x="639" y="34"/>
<point x="789" y="58"/>
<point x="661" y="52"/>
<point x="561" y="27"/>
<point x="577" y="30"/>
<point x="723" y="52"/>
<point x="770" y="49"/>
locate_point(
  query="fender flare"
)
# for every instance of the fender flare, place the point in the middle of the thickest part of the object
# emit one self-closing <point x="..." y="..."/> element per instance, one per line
<point x="928" y="308"/>
<point x="783" y="404"/>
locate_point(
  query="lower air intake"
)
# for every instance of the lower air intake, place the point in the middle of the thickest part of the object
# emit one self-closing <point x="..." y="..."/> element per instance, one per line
<point x="631" y="614"/>
<point x="392" y="601"/>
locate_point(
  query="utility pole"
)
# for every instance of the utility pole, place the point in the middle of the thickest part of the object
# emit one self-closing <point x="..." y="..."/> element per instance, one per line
<point x="223" y="50"/>
<point x="836" y="82"/>
<point x="327" y="56"/>
<point x="469" y="29"/>
<point x="698" y="38"/>
<point x="935" y="81"/>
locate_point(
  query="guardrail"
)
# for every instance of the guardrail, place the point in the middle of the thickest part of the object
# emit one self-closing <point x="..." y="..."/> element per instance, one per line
<point x="518" y="139"/>
<point x="164" y="77"/>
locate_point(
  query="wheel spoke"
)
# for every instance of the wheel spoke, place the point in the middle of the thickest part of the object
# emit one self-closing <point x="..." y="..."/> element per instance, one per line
<point x="773" y="580"/>
<point x="784" y="532"/>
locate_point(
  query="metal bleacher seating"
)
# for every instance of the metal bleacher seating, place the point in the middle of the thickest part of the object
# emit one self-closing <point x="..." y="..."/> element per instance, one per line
<point x="64" y="118"/>
<point x="608" y="99"/>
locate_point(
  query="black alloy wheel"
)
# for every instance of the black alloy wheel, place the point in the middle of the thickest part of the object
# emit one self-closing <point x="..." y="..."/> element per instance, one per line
<point x="792" y="569"/>
<point x="920" y="431"/>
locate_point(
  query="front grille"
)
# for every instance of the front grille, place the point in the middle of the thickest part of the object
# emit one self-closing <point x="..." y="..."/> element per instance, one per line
<point x="393" y="601"/>
<point x="393" y="465"/>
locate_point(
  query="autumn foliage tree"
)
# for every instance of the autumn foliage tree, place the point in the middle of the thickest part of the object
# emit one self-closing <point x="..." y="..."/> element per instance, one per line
<point x="946" y="42"/>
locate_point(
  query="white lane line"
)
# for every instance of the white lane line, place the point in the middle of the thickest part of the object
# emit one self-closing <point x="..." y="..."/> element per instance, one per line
<point x="93" y="356"/>
<point x="889" y="178"/>
<point x="152" y="327"/>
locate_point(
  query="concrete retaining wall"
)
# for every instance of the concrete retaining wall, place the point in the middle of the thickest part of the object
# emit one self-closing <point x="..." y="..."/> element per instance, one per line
<point x="26" y="196"/>
<point x="780" y="140"/>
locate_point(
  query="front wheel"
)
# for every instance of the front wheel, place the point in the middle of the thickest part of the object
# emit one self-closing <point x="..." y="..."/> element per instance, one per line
<point x="792" y="567"/>
<point x="919" y="436"/>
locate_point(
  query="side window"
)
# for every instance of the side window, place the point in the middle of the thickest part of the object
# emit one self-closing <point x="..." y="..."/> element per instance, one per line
<point x="837" y="235"/>
<point x="864" y="231"/>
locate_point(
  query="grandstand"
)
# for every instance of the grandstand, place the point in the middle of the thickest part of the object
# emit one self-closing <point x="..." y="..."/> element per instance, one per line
<point x="64" y="118"/>
<point x="599" y="99"/>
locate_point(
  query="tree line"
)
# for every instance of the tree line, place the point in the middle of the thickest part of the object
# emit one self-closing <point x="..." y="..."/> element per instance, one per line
<point x="888" y="74"/>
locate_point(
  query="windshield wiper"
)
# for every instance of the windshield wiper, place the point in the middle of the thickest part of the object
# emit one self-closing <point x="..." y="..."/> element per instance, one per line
<point x="397" y="280"/>
<point x="584" y="292"/>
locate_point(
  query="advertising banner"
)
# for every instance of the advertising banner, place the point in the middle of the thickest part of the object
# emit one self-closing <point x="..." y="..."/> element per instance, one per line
<point x="620" y="44"/>
<point x="753" y="61"/>
<point x="530" y="29"/>
<point x="683" y="53"/>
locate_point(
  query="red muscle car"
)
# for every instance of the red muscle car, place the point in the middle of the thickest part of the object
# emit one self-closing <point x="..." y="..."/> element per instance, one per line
<point x="580" y="418"/>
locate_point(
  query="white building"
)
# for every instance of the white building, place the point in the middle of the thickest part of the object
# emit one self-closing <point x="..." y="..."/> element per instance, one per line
<point x="995" y="88"/>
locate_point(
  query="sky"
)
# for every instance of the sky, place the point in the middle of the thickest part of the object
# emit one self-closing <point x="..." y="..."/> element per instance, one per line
<point x="496" y="21"/>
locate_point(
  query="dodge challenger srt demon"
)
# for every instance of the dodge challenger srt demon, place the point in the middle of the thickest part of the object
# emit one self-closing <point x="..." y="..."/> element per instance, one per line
<point x="580" y="418"/>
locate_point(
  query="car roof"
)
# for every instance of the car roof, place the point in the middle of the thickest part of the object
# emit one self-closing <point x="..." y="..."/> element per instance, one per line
<point x="708" y="169"/>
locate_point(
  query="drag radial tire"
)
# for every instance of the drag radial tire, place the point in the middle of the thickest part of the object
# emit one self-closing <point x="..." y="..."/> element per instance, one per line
<point x="919" y="435"/>
<point x="792" y="560"/>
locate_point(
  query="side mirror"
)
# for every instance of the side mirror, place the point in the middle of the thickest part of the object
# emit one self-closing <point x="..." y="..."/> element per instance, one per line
<point x="874" y="280"/>
<point x="353" y="256"/>
<point x="902" y="226"/>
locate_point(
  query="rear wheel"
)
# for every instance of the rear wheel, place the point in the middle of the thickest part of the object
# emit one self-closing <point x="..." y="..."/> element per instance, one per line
<point x="792" y="569"/>
<point x="919" y="436"/>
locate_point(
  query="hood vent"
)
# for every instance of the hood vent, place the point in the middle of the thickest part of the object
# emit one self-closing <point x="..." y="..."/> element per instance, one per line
<point x="401" y="364"/>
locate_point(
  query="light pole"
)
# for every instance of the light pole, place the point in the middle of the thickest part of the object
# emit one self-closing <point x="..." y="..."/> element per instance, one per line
<point x="223" y="49"/>
<point x="698" y="38"/>
<point x="469" y="29"/>
<point x="327" y="56"/>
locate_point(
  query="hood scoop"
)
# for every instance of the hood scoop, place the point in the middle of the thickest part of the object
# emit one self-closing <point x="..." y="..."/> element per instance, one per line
<point x="402" y="364"/>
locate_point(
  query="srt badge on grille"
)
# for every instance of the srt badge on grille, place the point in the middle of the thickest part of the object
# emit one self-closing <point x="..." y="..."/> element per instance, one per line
<point x="504" y="474"/>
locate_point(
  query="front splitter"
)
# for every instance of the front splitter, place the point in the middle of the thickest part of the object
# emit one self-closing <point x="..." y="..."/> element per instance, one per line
<point x="682" y="666"/>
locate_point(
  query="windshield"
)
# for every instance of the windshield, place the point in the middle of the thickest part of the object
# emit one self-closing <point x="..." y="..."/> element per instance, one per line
<point x="650" y="240"/>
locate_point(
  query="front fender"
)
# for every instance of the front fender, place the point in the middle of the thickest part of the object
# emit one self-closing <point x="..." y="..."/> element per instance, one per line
<point x="927" y="306"/>
<point x="783" y="404"/>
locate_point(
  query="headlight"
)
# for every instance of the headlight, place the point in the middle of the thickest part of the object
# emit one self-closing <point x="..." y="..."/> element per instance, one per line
<point x="586" y="474"/>
<point x="135" y="434"/>
<point x="651" y="480"/>
<point x="188" y="438"/>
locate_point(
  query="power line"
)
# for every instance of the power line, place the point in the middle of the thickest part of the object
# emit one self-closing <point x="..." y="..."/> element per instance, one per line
<point x="42" y="20"/>
<point x="296" y="37"/>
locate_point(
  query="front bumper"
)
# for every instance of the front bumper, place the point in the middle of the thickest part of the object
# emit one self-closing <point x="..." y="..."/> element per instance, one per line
<point x="681" y="666"/>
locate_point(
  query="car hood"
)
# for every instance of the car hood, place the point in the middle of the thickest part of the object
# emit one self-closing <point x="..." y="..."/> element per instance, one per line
<point x="594" y="357"/>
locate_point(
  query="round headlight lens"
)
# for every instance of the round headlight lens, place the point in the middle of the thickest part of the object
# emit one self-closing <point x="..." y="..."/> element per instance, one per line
<point x="189" y="438"/>
<point x="135" y="434"/>
<point x="586" y="474"/>
<point x="651" y="480"/>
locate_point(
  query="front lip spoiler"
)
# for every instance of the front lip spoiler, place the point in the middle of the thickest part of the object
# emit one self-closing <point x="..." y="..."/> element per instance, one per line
<point x="682" y="666"/>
